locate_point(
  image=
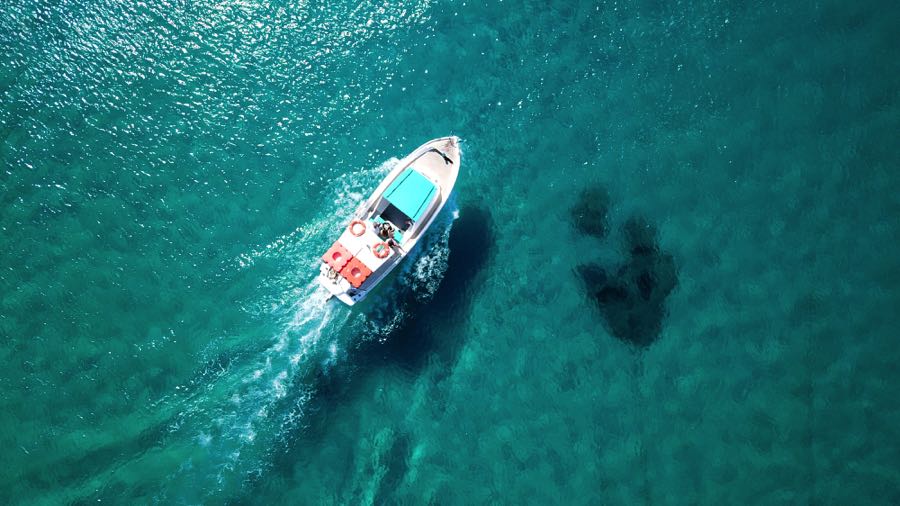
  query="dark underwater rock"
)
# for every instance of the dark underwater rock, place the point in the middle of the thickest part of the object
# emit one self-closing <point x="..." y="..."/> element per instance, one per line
<point x="640" y="237"/>
<point x="632" y="300"/>
<point x="589" y="213"/>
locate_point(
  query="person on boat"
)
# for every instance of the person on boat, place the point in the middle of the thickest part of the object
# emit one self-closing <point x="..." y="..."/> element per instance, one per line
<point x="385" y="230"/>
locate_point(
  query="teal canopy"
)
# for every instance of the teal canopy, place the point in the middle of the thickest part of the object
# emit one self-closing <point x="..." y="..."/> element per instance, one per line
<point x="411" y="193"/>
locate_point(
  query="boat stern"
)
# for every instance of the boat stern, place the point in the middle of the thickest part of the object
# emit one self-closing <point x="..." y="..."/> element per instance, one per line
<point x="339" y="287"/>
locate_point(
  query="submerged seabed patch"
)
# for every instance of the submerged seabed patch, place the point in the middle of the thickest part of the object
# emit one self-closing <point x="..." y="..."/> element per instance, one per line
<point x="631" y="297"/>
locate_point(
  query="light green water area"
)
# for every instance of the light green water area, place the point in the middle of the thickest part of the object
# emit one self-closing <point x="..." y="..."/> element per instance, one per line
<point x="668" y="274"/>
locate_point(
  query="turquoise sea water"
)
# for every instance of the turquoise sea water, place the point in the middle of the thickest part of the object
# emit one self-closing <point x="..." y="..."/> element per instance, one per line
<point x="669" y="274"/>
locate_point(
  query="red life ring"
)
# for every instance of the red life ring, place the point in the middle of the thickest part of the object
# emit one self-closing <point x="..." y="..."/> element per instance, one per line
<point x="381" y="250"/>
<point x="356" y="230"/>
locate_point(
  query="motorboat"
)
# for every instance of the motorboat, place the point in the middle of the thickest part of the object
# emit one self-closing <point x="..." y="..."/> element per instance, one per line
<point x="388" y="225"/>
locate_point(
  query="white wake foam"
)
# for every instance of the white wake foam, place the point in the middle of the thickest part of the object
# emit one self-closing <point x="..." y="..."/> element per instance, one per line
<point x="237" y="420"/>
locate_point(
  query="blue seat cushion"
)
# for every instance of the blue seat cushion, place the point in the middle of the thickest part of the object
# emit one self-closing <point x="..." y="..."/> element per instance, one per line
<point x="411" y="193"/>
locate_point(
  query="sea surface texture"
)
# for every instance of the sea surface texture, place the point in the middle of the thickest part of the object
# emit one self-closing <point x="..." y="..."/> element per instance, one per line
<point x="669" y="273"/>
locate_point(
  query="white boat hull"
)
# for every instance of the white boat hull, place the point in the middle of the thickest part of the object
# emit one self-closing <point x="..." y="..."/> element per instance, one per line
<point x="354" y="265"/>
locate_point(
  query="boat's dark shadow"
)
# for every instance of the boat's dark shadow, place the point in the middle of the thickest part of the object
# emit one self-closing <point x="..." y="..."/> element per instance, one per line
<point x="426" y="335"/>
<point x="414" y="341"/>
